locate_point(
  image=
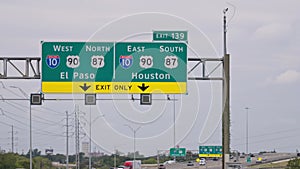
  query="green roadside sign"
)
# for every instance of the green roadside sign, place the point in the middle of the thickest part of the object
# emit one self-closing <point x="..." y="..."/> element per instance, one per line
<point x="177" y="152"/>
<point x="249" y="159"/>
<point x="210" y="151"/>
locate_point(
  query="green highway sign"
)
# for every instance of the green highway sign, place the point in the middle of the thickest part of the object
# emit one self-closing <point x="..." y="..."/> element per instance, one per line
<point x="77" y="61"/>
<point x="210" y="151"/>
<point x="170" y="36"/>
<point x="249" y="159"/>
<point x="151" y="62"/>
<point x="108" y="67"/>
<point x="177" y="152"/>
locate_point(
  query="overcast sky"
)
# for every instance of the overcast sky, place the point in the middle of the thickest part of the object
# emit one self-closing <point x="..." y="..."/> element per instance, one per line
<point x="263" y="41"/>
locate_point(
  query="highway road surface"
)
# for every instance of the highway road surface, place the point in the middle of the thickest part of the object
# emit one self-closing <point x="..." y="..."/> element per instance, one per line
<point x="210" y="164"/>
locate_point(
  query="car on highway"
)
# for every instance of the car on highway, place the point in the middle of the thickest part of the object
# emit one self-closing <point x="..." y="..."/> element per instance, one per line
<point x="215" y="159"/>
<point x="161" y="166"/>
<point x="190" y="163"/>
<point x="202" y="161"/>
<point x="122" y="167"/>
<point x="251" y="155"/>
<point x="259" y="160"/>
<point x="169" y="162"/>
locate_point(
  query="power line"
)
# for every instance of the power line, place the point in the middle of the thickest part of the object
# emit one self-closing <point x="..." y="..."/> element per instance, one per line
<point x="269" y="139"/>
<point x="272" y="133"/>
<point x="10" y="125"/>
<point x="13" y="92"/>
<point x="51" y="110"/>
<point x="5" y="123"/>
<point x="21" y="107"/>
<point x="16" y="106"/>
<point x="17" y="115"/>
<point x="37" y="131"/>
<point x="50" y="122"/>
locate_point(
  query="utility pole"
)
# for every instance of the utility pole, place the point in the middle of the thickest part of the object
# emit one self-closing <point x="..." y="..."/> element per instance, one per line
<point x="226" y="101"/>
<point x="247" y="129"/>
<point x="157" y="158"/>
<point x="67" y="141"/>
<point x="12" y="138"/>
<point x="77" y="137"/>
<point x="76" y="153"/>
<point x="115" y="158"/>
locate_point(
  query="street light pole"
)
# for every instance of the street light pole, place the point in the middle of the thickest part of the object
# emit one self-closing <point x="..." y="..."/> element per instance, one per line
<point x="67" y="142"/>
<point x="247" y="130"/>
<point x="30" y="135"/>
<point x="90" y="145"/>
<point x="174" y="123"/>
<point x="134" y="133"/>
<point x="134" y="149"/>
<point x="90" y="134"/>
<point x="115" y="158"/>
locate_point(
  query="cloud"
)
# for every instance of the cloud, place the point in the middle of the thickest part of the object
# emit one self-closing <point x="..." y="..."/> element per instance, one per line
<point x="273" y="31"/>
<point x="287" y="77"/>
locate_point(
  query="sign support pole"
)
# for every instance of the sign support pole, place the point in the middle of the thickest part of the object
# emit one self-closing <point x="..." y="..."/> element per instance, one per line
<point x="226" y="112"/>
<point x="226" y="101"/>
<point x="30" y="137"/>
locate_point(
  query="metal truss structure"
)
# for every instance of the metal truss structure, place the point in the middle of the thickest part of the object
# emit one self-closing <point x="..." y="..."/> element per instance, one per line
<point x="20" y="68"/>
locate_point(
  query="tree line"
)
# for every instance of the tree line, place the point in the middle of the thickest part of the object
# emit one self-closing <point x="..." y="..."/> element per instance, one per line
<point x="14" y="160"/>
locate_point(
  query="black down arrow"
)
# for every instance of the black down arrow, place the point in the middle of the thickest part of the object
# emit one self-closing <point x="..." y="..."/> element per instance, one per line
<point x="85" y="87"/>
<point x="143" y="87"/>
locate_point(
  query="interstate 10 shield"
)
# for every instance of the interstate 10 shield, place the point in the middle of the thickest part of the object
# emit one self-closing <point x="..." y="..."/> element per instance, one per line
<point x="126" y="61"/>
<point x="53" y="61"/>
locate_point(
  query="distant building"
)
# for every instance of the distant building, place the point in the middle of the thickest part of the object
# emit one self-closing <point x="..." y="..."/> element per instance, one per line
<point x="57" y="164"/>
<point x="85" y="148"/>
<point x="137" y="155"/>
<point x="2" y="151"/>
<point x="97" y="154"/>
